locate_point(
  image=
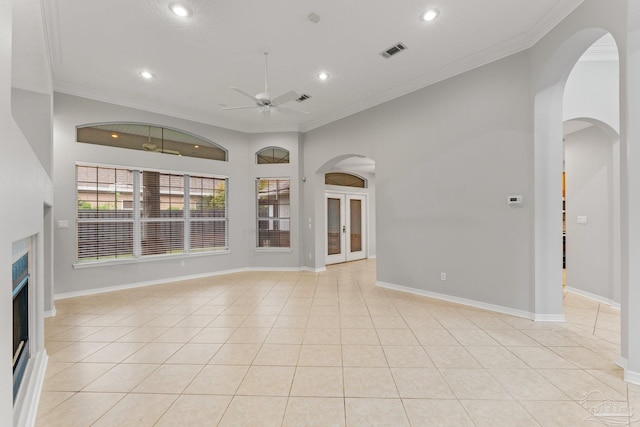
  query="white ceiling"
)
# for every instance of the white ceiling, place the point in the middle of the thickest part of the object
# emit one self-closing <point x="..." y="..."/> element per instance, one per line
<point x="97" y="49"/>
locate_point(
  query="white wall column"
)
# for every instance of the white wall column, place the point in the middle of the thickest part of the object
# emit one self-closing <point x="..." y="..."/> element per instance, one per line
<point x="631" y="283"/>
<point x="548" y="204"/>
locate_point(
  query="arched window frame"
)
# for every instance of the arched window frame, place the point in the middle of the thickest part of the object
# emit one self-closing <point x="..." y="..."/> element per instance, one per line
<point x="198" y="147"/>
<point x="259" y="155"/>
<point x="346" y="174"/>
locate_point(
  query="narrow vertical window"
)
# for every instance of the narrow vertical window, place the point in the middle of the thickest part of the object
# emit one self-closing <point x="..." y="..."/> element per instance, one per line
<point x="273" y="213"/>
<point x="208" y="214"/>
<point x="162" y="212"/>
<point x="105" y="223"/>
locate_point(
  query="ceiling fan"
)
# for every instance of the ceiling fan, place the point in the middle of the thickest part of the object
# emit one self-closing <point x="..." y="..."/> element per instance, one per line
<point x="264" y="102"/>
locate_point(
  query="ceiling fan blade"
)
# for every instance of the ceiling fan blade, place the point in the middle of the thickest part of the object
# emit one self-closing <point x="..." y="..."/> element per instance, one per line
<point x="285" y="97"/>
<point x="239" y="108"/>
<point x="291" y="111"/>
<point x="265" y="113"/>
<point x="240" y="91"/>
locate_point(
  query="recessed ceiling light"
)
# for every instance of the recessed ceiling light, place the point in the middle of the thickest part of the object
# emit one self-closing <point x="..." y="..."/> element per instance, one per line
<point x="146" y="74"/>
<point x="323" y="75"/>
<point x="114" y="135"/>
<point x="430" y="15"/>
<point x="180" y="10"/>
<point x="196" y="146"/>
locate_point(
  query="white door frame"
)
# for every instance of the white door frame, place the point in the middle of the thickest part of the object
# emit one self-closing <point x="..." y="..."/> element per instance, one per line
<point x="345" y="226"/>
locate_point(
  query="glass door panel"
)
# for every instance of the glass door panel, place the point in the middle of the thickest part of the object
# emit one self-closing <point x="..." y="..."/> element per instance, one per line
<point x="334" y="245"/>
<point x="355" y="232"/>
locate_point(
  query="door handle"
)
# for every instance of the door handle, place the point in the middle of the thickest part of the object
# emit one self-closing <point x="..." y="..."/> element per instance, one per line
<point x="344" y="228"/>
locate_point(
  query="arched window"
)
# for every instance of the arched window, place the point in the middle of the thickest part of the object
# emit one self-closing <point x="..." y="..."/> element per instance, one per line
<point x="344" y="179"/>
<point x="271" y="155"/>
<point x="137" y="136"/>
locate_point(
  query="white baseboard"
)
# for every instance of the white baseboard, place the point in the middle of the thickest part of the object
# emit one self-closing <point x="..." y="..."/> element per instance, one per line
<point x="458" y="300"/>
<point x="371" y="257"/>
<point x="314" y="270"/>
<point x="283" y="269"/>
<point x="50" y="313"/>
<point x="593" y="297"/>
<point x="622" y="362"/>
<point x="632" y="377"/>
<point x="25" y="410"/>
<point x="143" y="284"/>
<point x="177" y="279"/>
<point x="556" y="318"/>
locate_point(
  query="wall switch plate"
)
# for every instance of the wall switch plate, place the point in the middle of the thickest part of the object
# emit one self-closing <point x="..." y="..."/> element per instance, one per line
<point x="63" y="223"/>
<point x="443" y="276"/>
<point x="582" y="219"/>
<point x="515" y="201"/>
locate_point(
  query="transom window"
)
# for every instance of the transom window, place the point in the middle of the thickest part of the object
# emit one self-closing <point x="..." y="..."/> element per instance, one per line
<point x="344" y="179"/>
<point x="273" y="213"/>
<point x="272" y="155"/>
<point x="154" y="139"/>
<point x="134" y="213"/>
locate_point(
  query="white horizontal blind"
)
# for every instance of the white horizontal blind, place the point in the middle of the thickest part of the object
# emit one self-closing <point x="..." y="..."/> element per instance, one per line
<point x="105" y="219"/>
<point x="273" y="213"/>
<point x="208" y="213"/>
<point x="119" y="218"/>
<point x="162" y="213"/>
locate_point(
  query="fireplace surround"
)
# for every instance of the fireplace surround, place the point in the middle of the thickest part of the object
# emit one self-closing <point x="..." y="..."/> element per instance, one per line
<point x="21" y="344"/>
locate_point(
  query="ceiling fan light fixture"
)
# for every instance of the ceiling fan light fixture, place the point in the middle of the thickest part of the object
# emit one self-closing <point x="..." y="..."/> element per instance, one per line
<point x="180" y="10"/>
<point x="430" y="15"/>
<point x="146" y="74"/>
<point x="323" y="75"/>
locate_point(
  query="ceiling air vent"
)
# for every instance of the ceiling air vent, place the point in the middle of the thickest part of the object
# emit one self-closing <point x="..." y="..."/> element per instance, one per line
<point x="303" y="97"/>
<point x="388" y="53"/>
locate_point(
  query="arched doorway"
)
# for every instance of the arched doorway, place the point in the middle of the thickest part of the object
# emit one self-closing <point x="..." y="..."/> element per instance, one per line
<point x="592" y="210"/>
<point x="548" y="159"/>
<point x="349" y="208"/>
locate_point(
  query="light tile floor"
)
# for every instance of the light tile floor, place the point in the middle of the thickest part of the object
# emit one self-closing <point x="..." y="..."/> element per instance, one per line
<point x="327" y="349"/>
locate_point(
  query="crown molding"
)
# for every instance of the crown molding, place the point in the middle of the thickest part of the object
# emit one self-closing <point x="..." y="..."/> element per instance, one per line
<point x="137" y="103"/>
<point x="479" y="58"/>
<point x="51" y="22"/>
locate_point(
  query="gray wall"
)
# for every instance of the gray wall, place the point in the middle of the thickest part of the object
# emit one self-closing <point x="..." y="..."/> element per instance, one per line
<point x="33" y="113"/>
<point x="26" y="187"/>
<point x="447" y="157"/>
<point x="71" y="111"/>
<point x="589" y="185"/>
<point x="593" y="90"/>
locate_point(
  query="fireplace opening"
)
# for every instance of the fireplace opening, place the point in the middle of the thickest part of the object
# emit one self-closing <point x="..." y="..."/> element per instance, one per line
<point x="20" y="320"/>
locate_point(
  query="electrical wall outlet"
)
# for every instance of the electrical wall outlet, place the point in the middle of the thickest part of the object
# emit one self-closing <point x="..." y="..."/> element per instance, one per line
<point x="443" y="276"/>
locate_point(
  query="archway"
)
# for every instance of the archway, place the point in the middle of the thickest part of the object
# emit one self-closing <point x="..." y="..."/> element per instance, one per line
<point x="592" y="206"/>
<point x="548" y="154"/>
<point x="329" y="194"/>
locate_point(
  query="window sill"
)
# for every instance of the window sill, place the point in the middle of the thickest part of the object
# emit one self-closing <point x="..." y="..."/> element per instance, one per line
<point x="272" y="250"/>
<point x="148" y="258"/>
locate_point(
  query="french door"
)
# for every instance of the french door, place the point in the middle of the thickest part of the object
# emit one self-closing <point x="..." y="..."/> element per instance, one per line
<point x="346" y="230"/>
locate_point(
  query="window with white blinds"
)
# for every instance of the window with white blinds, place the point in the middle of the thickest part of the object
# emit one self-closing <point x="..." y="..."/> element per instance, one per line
<point x="273" y="213"/>
<point x="133" y="213"/>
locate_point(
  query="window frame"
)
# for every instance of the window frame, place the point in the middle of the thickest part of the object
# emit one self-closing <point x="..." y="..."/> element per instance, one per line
<point x="138" y="219"/>
<point x="200" y="140"/>
<point x="271" y="219"/>
<point x="272" y="147"/>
